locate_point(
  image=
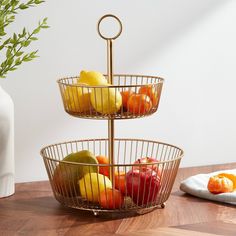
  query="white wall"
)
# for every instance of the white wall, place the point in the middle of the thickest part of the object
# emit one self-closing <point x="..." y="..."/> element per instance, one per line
<point x="190" y="43"/>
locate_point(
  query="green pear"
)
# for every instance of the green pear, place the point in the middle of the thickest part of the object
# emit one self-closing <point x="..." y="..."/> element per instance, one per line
<point x="85" y="157"/>
<point x="66" y="175"/>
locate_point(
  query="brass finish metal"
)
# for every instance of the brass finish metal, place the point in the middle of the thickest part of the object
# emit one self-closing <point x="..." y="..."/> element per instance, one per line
<point x="99" y="23"/>
<point x="127" y="152"/>
<point x="104" y="102"/>
<point x="74" y="102"/>
<point x="111" y="125"/>
<point x="109" y="61"/>
<point x="111" y="130"/>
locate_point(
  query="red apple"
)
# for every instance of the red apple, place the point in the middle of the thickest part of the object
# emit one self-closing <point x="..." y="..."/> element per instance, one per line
<point x="142" y="186"/>
<point x="146" y="160"/>
<point x="111" y="199"/>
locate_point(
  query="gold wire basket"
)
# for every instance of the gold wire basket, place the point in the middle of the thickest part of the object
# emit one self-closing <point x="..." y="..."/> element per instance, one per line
<point x="140" y="193"/>
<point x="111" y="102"/>
<point x="139" y="174"/>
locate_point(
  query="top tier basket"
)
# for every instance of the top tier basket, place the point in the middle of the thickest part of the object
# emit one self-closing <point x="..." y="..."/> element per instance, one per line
<point x="77" y="97"/>
<point x="92" y="101"/>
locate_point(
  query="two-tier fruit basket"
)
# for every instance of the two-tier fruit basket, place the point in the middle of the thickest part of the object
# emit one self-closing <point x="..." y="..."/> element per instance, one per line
<point x="111" y="174"/>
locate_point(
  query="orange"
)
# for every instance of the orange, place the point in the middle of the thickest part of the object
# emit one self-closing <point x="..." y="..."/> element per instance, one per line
<point x="104" y="170"/>
<point x="229" y="176"/>
<point x="150" y="91"/>
<point x="111" y="199"/>
<point x="139" y="104"/>
<point x="220" y="184"/>
<point x="125" y="97"/>
<point x="120" y="179"/>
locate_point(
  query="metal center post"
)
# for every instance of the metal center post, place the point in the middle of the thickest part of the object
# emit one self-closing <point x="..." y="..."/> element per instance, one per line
<point x="111" y="128"/>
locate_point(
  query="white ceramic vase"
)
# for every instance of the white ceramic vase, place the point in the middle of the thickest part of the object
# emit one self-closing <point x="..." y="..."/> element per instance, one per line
<point x="7" y="171"/>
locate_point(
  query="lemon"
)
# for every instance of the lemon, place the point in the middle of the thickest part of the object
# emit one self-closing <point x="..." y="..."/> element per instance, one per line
<point x="92" y="184"/>
<point x="92" y="78"/>
<point x="106" y="100"/>
<point x="77" y="99"/>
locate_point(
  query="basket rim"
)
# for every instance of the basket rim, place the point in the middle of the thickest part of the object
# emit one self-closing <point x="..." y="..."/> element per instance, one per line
<point x="112" y="165"/>
<point x="161" y="81"/>
<point x="114" y="117"/>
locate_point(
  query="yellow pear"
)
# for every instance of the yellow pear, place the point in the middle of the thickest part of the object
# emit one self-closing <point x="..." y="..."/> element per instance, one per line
<point x="92" y="78"/>
<point x="106" y="100"/>
<point x="92" y="184"/>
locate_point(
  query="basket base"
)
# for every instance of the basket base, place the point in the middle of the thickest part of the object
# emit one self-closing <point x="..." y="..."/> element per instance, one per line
<point x="129" y="210"/>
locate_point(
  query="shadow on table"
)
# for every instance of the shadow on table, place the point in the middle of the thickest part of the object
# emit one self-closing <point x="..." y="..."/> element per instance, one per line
<point x="48" y="206"/>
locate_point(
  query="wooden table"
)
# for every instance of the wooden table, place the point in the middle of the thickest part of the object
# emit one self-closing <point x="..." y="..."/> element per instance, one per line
<point x="34" y="211"/>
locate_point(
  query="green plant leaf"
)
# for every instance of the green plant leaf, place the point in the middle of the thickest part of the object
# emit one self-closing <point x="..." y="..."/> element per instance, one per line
<point x="36" y="30"/>
<point x="23" y="6"/>
<point x="2" y="33"/>
<point x="18" y="54"/>
<point x="8" y="53"/>
<point x="18" y="61"/>
<point x="26" y="43"/>
<point x="12" y="46"/>
<point x="10" y="61"/>
<point x="12" y="69"/>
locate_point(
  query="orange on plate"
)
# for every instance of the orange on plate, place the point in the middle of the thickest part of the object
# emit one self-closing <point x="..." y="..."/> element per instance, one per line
<point x="231" y="177"/>
<point x="220" y="184"/>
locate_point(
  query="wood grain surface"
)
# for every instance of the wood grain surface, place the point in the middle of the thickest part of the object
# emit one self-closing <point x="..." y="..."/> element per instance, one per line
<point x="34" y="211"/>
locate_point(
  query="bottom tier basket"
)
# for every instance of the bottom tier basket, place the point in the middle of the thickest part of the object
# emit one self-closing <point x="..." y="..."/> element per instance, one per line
<point x="143" y="186"/>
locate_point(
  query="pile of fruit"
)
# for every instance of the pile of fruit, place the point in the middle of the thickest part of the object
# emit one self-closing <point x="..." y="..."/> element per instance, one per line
<point x="106" y="99"/>
<point x="82" y="174"/>
<point x="222" y="183"/>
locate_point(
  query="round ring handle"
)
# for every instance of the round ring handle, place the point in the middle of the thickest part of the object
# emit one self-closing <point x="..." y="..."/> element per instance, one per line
<point x="99" y="23"/>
